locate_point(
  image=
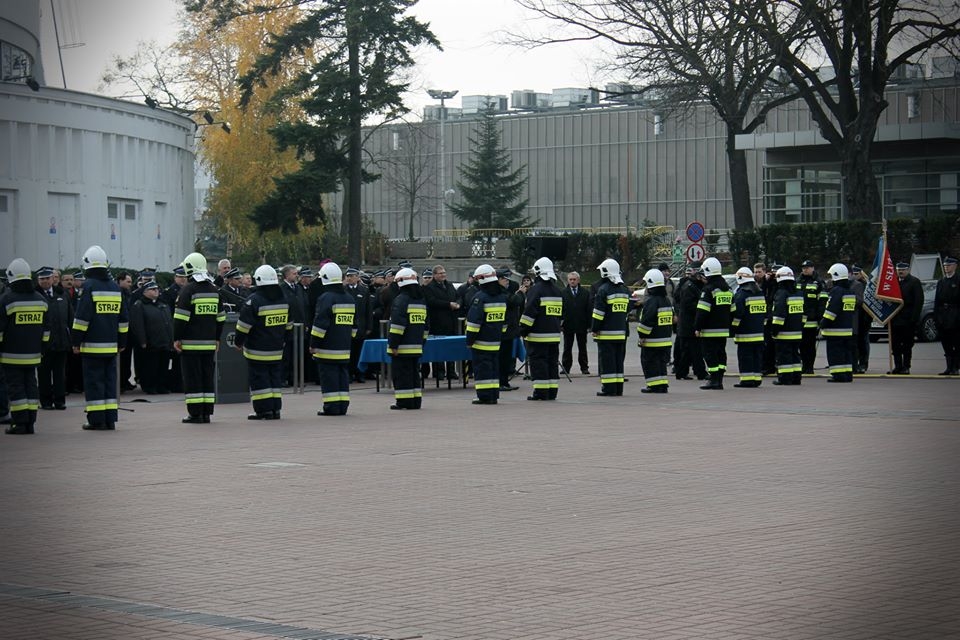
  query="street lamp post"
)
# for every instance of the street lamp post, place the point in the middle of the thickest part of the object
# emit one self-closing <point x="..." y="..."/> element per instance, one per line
<point x="442" y="96"/>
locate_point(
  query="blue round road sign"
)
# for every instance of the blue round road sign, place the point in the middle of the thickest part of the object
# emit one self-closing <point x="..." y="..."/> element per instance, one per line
<point x="695" y="231"/>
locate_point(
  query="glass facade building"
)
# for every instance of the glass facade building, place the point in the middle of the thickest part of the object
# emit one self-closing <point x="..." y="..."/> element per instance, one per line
<point x="619" y="165"/>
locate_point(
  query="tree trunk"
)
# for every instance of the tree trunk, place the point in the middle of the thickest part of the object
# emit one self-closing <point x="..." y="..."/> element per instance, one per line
<point x="860" y="191"/>
<point x="355" y="143"/>
<point x="739" y="183"/>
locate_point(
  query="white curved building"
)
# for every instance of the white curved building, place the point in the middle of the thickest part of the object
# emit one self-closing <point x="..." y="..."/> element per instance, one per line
<point x="78" y="169"/>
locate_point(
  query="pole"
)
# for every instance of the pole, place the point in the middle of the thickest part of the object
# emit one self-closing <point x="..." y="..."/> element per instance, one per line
<point x="883" y="231"/>
<point x="63" y="74"/>
<point x="443" y="177"/>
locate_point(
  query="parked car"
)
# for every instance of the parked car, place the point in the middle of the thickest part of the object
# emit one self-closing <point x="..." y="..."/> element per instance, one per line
<point x="927" y="329"/>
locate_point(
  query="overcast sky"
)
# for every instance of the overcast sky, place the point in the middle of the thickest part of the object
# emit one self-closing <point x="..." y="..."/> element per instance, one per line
<point x="472" y="61"/>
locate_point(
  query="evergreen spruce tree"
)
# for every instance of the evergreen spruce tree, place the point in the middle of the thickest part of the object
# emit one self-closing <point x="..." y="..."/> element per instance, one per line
<point x="490" y="190"/>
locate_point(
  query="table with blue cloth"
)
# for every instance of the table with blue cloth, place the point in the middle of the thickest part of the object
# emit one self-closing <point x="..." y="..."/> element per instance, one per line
<point x="435" y="349"/>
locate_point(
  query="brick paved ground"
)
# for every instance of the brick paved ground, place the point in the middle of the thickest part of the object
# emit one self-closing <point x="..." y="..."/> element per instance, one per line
<point x="825" y="511"/>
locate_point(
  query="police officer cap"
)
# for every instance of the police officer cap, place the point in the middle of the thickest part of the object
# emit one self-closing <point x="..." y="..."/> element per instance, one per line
<point x="44" y="272"/>
<point x="78" y="275"/>
<point x="695" y="265"/>
<point x="305" y="272"/>
<point x="390" y="272"/>
<point x="428" y="272"/>
<point x="352" y="271"/>
<point x="147" y="274"/>
<point x="179" y="271"/>
<point x="806" y="263"/>
<point x="233" y="273"/>
<point x="855" y="269"/>
<point x="366" y="279"/>
<point x="380" y="274"/>
<point x="151" y="285"/>
<point x="504" y="272"/>
<point x="903" y="265"/>
<point x="949" y="260"/>
<point x="405" y="264"/>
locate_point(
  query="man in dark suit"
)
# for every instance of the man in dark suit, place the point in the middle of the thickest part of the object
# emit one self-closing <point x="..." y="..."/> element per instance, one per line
<point x="361" y="297"/>
<point x="443" y="307"/>
<point x="296" y="298"/>
<point x="903" y="327"/>
<point x="577" y="308"/>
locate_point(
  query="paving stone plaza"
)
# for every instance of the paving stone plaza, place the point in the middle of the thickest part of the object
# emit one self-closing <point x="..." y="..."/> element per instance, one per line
<point x="824" y="511"/>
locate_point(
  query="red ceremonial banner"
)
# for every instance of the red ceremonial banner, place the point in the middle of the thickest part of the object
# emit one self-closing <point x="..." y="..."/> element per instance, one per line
<point x="888" y="285"/>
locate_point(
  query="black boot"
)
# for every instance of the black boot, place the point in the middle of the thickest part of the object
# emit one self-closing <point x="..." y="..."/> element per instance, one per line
<point x="714" y="381"/>
<point x="720" y="375"/>
<point x="192" y="420"/>
<point x="16" y="430"/>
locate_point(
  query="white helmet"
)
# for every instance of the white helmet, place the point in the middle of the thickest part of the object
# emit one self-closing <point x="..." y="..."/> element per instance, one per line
<point x="330" y="273"/>
<point x="95" y="258"/>
<point x="194" y="263"/>
<point x="265" y="275"/>
<point x="18" y="270"/>
<point x="484" y="274"/>
<point x="785" y="273"/>
<point x="839" y="272"/>
<point x="711" y="267"/>
<point x="610" y="269"/>
<point x="405" y="276"/>
<point x="654" y="278"/>
<point x="543" y="268"/>
<point x="744" y="275"/>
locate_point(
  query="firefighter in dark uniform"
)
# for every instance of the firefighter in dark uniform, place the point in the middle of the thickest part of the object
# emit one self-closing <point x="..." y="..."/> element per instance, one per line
<point x="786" y="326"/>
<point x="749" y="314"/>
<point x="52" y="372"/>
<point x="151" y="332"/>
<point x="24" y="333"/>
<point x="262" y="329"/>
<point x="712" y="322"/>
<point x="99" y="333"/>
<point x="485" y="327"/>
<point x="655" y="329"/>
<point x="814" y="293"/>
<point x="609" y="327"/>
<point x="331" y="336"/>
<point x="197" y="326"/>
<point x="946" y="315"/>
<point x="688" y="350"/>
<point x="408" y="331"/>
<point x="836" y="325"/>
<point x="540" y="326"/>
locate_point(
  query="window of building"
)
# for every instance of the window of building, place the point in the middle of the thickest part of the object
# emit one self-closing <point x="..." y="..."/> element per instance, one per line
<point x="129" y="208"/>
<point x="801" y="194"/>
<point x="15" y="63"/>
<point x="920" y="188"/>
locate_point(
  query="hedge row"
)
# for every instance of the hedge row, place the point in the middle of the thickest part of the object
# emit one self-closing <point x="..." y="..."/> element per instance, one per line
<point x="586" y="251"/>
<point x="848" y="241"/>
